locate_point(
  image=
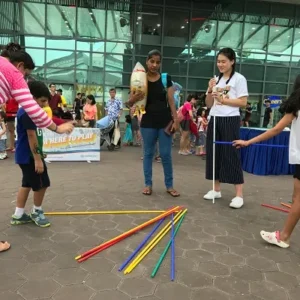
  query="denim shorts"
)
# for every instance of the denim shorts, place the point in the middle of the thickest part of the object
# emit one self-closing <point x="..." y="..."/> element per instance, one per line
<point x="2" y="145"/>
<point x="201" y="140"/>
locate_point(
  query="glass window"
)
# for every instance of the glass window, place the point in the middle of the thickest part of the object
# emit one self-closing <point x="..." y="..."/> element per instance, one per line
<point x="175" y="66"/>
<point x="91" y="46"/>
<point x="34" y="41"/>
<point x="253" y="72"/>
<point x="180" y="80"/>
<point x="61" y="20"/>
<point x="201" y="68"/>
<point x="294" y="73"/>
<point x="277" y="74"/>
<point x="122" y="48"/>
<point x="197" y="84"/>
<point x="115" y="63"/>
<point x="278" y="60"/>
<point x="256" y="34"/>
<point x="117" y="79"/>
<point x="230" y="32"/>
<point x="252" y="7"/>
<point x="60" y="44"/>
<point x="182" y="3"/>
<point x="296" y="45"/>
<point x="60" y="75"/>
<point x="176" y="28"/>
<point x="89" y="77"/>
<point x="90" y="61"/>
<point x="60" y="59"/>
<point x="253" y="58"/>
<point x="38" y="73"/>
<point x="255" y="87"/>
<point x="145" y="49"/>
<point x="91" y="23"/>
<point x="34" y="12"/>
<point x="38" y="56"/>
<point x="176" y="52"/>
<point x="280" y="36"/>
<point x="141" y="59"/>
<point x="275" y="89"/>
<point x="88" y="89"/>
<point x="118" y="27"/>
<point x="148" y="24"/>
<point x="204" y="5"/>
<point x="203" y="30"/>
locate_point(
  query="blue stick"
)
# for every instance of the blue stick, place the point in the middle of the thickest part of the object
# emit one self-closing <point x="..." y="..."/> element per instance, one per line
<point x="173" y="251"/>
<point x="262" y="145"/>
<point x="138" y="248"/>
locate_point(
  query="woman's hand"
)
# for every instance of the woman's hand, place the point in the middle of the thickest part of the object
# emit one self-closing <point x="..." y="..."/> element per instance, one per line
<point x="211" y="84"/>
<point x="136" y="96"/>
<point x="175" y="126"/>
<point x="218" y="97"/>
<point x="65" y="128"/>
<point x="240" y="144"/>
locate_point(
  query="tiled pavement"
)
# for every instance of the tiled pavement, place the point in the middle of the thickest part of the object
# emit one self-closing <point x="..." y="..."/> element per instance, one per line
<point x="219" y="253"/>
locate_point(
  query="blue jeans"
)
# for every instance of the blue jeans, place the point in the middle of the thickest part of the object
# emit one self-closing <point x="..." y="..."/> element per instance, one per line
<point x="150" y="137"/>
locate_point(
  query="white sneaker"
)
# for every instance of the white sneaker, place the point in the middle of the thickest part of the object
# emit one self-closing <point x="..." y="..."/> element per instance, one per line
<point x="237" y="202"/>
<point x="210" y="195"/>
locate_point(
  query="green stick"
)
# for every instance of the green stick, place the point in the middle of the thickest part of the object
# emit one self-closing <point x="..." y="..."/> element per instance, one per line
<point x="163" y="255"/>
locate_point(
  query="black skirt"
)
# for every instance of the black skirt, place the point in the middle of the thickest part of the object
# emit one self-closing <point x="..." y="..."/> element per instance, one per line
<point x="228" y="164"/>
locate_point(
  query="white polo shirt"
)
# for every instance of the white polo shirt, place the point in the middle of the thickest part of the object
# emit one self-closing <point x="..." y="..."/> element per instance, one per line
<point x="294" y="148"/>
<point x="238" y="88"/>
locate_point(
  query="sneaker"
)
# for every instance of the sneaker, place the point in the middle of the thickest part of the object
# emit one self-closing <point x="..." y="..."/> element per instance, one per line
<point x="237" y="202"/>
<point x="210" y="195"/>
<point x="39" y="218"/>
<point x="20" y="220"/>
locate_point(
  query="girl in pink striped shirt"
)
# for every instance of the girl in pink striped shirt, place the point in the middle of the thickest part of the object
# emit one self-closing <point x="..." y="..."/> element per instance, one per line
<point x="14" y="65"/>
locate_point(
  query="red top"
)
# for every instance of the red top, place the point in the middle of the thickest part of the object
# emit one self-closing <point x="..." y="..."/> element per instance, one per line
<point x="54" y="101"/>
<point x="12" y="107"/>
<point x="58" y="121"/>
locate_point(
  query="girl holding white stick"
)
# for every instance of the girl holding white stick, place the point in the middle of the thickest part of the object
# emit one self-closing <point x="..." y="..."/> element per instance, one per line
<point x="230" y="92"/>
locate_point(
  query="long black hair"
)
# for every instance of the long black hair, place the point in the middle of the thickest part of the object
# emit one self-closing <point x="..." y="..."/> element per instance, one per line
<point x="154" y="52"/>
<point x="292" y="104"/>
<point x="92" y="98"/>
<point x="15" y="54"/>
<point x="230" y="54"/>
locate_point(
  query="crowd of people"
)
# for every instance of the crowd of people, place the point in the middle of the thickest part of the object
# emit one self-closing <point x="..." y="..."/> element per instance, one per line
<point x="219" y="120"/>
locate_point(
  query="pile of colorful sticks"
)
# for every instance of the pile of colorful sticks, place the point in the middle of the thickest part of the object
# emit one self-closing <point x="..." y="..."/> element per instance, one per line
<point x="176" y="215"/>
<point x="278" y="207"/>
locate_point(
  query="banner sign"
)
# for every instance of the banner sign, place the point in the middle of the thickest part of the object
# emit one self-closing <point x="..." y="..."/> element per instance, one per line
<point x="275" y="101"/>
<point x="83" y="144"/>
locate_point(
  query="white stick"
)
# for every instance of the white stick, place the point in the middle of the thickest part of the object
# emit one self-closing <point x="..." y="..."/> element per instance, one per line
<point x="214" y="147"/>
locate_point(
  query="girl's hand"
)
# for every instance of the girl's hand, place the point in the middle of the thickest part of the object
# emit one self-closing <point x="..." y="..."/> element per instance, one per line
<point x="218" y="97"/>
<point x="175" y="126"/>
<point x="240" y="144"/>
<point x="137" y="96"/>
<point x="211" y="84"/>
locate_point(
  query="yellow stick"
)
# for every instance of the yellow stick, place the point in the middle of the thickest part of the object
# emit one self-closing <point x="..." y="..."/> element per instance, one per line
<point x="154" y="242"/>
<point x="112" y="212"/>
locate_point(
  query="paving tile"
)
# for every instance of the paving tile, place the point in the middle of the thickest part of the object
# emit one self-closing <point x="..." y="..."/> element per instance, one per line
<point x="294" y="293"/>
<point x="194" y="279"/>
<point x="111" y="295"/>
<point x="171" y="291"/>
<point x="214" y="268"/>
<point x="10" y="296"/>
<point x="209" y="294"/>
<point x="11" y="282"/>
<point x="246" y="273"/>
<point x="70" y="276"/>
<point x="36" y="289"/>
<point x="268" y="290"/>
<point x="215" y="247"/>
<point x="230" y="259"/>
<point x="242" y="250"/>
<point x="97" y="265"/>
<point x="289" y="268"/>
<point x="232" y="285"/>
<point x="77" y="292"/>
<point x="261" y="264"/>
<point x="36" y="271"/>
<point x="137" y="287"/>
<point x="199" y="255"/>
<point x="12" y="266"/>
<point x="284" y="280"/>
<point x="39" y="256"/>
<point x="103" y="281"/>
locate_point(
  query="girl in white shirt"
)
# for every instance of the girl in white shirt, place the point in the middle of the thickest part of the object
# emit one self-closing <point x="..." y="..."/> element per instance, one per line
<point x="291" y="108"/>
<point x="225" y="96"/>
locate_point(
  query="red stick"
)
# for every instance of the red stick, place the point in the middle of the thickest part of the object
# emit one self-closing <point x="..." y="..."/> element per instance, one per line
<point x="276" y="208"/>
<point x="130" y="232"/>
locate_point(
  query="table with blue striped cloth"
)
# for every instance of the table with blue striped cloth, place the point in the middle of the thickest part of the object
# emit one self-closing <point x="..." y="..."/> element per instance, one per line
<point x="260" y="160"/>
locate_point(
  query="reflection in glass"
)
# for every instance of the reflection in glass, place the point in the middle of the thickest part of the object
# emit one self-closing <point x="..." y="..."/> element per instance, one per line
<point x="198" y="84"/>
<point x="34" y="12"/>
<point x="296" y="46"/>
<point x="38" y="56"/>
<point x="180" y="80"/>
<point x="275" y="89"/>
<point x="278" y="60"/>
<point x="122" y="48"/>
<point x="90" y="60"/>
<point x="91" y="23"/>
<point x="176" y="28"/>
<point x="60" y="44"/>
<point x="255" y="87"/>
<point x="61" y="20"/>
<point x="253" y="72"/>
<point x="253" y="58"/>
<point x="294" y="73"/>
<point x="90" y="46"/>
<point x="148" y="24"/>
<point x="295" y="61"/>
<point x="175" y="66"/>
<point x="60" y="59"/>
<point x="145" y="49"/>
<point x="277" y="74"/>
<point x="34" y="41"/>
<point x="89" y="77"/>
<point x="118" y="26"/>
<point x="60" y="75"/>
<point x="114" y="79"/>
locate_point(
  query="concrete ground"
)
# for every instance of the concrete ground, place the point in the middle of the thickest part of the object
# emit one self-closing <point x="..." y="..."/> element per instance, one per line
<point x="219" y="252"/>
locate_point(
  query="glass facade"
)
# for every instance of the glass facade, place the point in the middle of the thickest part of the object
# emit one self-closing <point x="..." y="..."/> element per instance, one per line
<point x="91" y="45"/>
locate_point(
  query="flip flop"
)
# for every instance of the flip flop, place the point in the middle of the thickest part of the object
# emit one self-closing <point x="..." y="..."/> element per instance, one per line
<point x="273" y="238"/>
<point x="173" y="193"/>
<point x="147" y="191"/>
<point x="4" y="246"/>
